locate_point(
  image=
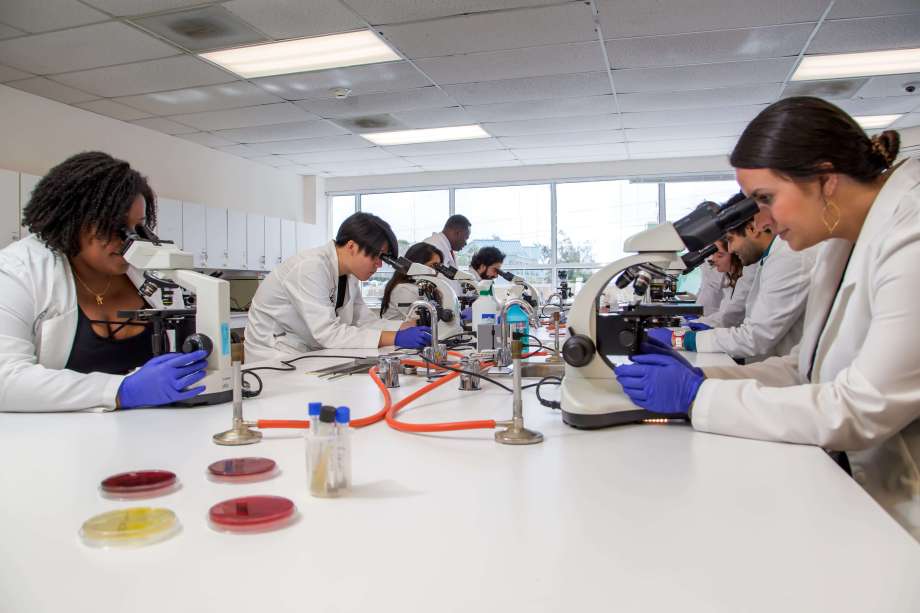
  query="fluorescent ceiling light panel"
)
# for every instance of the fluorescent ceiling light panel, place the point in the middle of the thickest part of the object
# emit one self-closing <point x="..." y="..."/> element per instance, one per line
<point x="876" y="122"/>
<point x="304" y="54"/>
<point x="428" y="135"/>
<point x="870" y="63"/>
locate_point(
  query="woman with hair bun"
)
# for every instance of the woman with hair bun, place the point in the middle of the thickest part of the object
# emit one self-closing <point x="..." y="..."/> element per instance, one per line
<point x="852" y="385"/>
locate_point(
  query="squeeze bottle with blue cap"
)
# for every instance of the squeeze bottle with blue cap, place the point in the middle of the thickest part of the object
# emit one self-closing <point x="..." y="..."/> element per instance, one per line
<point x="519" y="324"/>
<point x="343" y="448"/>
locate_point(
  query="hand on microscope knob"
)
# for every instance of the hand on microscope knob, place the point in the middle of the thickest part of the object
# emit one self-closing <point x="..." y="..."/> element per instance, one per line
<point x="413" y="338"/>
<point x="662" y="335"/>
<point x="698" y="326"/>
<point x="660" y="383"/>
<point x="163" y="380"/>
<point x="466" y="314"/>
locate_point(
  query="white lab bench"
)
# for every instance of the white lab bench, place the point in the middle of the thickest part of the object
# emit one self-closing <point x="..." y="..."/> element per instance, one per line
<point x="638" y="518"/>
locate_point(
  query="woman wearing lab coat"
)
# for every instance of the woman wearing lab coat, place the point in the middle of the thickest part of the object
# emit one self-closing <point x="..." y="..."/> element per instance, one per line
<point x="63" y="346"/>
<point x="400" y="291"/>
<point x="735" y="280"/>
<point x="853" y="383"/>
<point x="313" y="299"/>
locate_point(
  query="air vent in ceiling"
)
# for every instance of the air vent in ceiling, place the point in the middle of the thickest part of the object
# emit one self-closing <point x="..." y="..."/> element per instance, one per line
<point x="835" y="88"/>
<point x="370" y="123"/>
<point x="202" y="29"/>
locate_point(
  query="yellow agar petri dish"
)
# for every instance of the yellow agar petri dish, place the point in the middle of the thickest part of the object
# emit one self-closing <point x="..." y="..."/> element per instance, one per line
<point x="132" y="527"/>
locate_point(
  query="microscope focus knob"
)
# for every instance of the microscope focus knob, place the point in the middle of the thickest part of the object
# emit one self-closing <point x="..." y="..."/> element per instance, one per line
<point x="578" y="350"/>
<point x="195" y="342"/>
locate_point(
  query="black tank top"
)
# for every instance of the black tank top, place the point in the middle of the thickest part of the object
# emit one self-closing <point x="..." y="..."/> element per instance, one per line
<point x="94" y="353"/>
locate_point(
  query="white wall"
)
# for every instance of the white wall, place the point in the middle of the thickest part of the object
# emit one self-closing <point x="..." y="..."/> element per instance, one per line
<point x="38" y="133"/>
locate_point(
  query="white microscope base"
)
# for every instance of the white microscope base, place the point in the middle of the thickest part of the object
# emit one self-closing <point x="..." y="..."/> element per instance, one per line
<point x="599" y="403"/>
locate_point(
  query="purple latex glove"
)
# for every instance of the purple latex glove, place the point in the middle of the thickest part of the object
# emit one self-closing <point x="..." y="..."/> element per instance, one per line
<point x="466" y="314"/>
<point x="691" y="317"/>
<point x="660" y="383"/>
<point x="413" y="338"/>
<point x="698" y="326"/>
<point x="662" y="335"/>
<point x="163" y="380"/>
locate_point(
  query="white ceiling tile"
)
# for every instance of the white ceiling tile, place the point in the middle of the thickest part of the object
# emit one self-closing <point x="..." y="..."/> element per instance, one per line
<point x="729" y="96"/>
<point x="275" y="161"/>
<point x="382" y="164"/>
<point x="721" y="143"/>
<point x="613" y="150"/>
<point x="197" y="99"/>
<point x="506" y="111"/>
<point x="50" y="89"/>
<point x="477" y="157"/>
<point x="690" y="117"/>
<point x="8" y="32"/>
<point x="708" y="47"/>
<point x="878" y="106"/>
<point x="470" y="165"/>
<point x="908" y="120"/>
<point x="294" y="19"/>
<point x="585" y="123"/>
<point x="32" y="16"/>
<point x="163" y="125"/>
<point x="141" y="7"/>
<point x="243" y="151"/>
<point x="687" y="130"/>
<point x="870" y="34"/>
<point x="803" y="9"/>
<point x="891" y="85"/>
<point x="372" y="78"/>
<point x="208" y="140"/>
<point x="568" y="23"/>
<point x="308" y="145"/>
<point x="319" y="157"/>
<point x="202" y="29"/>
<point x="829" y="89"/>
<point x="101" y="44"/>
<point x="284" y="131"/>
<point x="563" y="139"/>
<point x="620" y="19"/>
<point x="145" y="77"/>
<point x="356" y="106"/>
<point x="667" y="155"/>
<point x="264" y="115"/>
<point x="396" y="11"/>
<point x="434" y="118"/>
<point x="532" y="88"/>
<point x="112" y="109"/>
<point x="571" y="159"/>
<point x="729" y="74"/>
<point x="446" y="147"/>
<point x="515" y="63"/>
<point x="11" y="74"/>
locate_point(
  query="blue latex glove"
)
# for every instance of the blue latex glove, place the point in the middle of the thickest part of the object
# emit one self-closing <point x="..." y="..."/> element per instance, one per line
<point x="662" y="335"/>
<point x="163" y="380"/>
<point x="660" y="383"/>
<point x="691" y="317"/>
<point x="698" y="326"/>
<point x="413" y="338"/>
<point x="651" y="346"/>
<point x="466" y="314"/>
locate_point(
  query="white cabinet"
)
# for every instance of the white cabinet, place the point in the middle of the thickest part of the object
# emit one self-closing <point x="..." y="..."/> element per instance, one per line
<point x="216" y="237"/>
<point x="255" y="242"/>
<point x="26" y="184"/>
<point x="308" y="236"/>
<point x="236" y="240"/>
<point x="169" y="220"/>
<point x="288" y="238"/>
<point x="194" y="237"/>
<point x="9" y="207"/>
<point x="272" y="242"/>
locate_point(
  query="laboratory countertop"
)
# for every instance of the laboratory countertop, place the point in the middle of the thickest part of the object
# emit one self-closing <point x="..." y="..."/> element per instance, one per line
<point x="636" y="518"/>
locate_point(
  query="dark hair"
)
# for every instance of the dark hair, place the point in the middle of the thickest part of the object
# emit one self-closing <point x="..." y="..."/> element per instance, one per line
<point x="420" y="253"/>
<point x="486" y="257"/>
<point x="737" y="267"/>
<point x="90" y="191"/>
<point x="369" y="232"/>
<point x="457" y="222"/>
<point x="798" y="137"/>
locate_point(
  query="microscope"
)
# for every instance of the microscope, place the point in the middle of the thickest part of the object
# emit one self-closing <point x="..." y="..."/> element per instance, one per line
<point x="433" y="288"/>
<point x="591" y="396"/>
<point x="191" y="307"/>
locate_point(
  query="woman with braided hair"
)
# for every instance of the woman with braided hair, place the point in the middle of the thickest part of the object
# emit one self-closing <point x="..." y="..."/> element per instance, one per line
<point x="852" y="385"/>
<point x="63" y="346"/>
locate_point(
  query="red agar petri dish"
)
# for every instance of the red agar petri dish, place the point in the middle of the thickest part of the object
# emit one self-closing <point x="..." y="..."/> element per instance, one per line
<point x="139" y="481"/>
<point x="251" y="513"/>
<point x="241" y="467"/>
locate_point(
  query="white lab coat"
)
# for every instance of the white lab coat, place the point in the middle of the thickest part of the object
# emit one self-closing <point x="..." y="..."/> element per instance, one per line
<point x="773" y="318"/>
<point x="403" y="293"/>
<point x="450" y="258"/>
<point x="293" y="311"/>
<point x="735" y="301"/>
<point x="38" y="322"/>
<point x="863" y="396"/>
<point x="710" y="294"/>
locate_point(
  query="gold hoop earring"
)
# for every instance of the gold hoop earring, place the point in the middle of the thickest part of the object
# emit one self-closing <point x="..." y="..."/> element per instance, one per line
<point x="830" y="206"/>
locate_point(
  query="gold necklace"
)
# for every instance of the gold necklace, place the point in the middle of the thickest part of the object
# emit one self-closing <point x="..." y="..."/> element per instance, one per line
<point x="98" y="295"/>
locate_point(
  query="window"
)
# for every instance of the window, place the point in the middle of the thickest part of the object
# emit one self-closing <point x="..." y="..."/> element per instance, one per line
<point x="414" y="216"/>
<point x="595" y="217"/>
<point x="684" y="196"/>
<point x="341" y="207"/>
<point x="516" y="219"/>
<point x="541" y="279"/>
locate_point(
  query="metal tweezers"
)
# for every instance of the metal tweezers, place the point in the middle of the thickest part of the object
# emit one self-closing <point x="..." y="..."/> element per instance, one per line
<point x="356" y="366"/>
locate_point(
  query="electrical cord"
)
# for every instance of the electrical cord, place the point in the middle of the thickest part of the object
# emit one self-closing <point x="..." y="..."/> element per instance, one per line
<point x="465" y="372"/>
<point x="248" y="393"/>
<point x="553" y="404"/>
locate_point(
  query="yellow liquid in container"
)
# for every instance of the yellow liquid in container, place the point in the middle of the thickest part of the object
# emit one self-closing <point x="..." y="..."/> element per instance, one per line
<point x="132" y="527"/>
